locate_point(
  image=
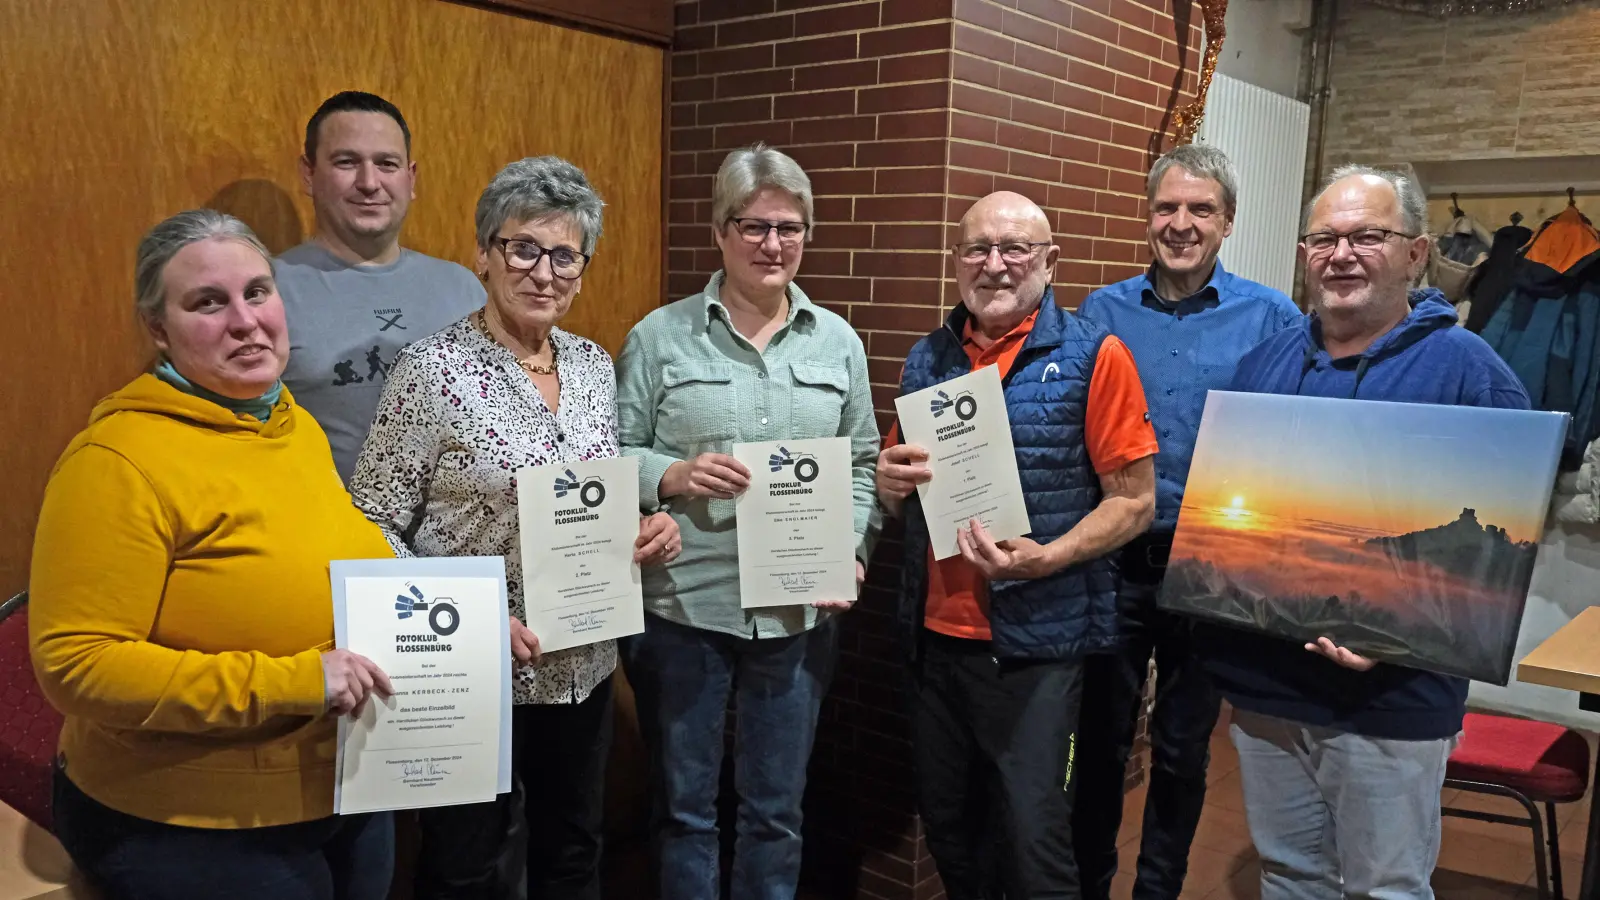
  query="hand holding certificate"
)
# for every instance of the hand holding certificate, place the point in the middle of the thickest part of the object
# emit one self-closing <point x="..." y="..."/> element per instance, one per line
<point x="797" y="538"/>
<point x="437" y="627"/>
<point x="579" y="526"/>
<point x="962" y="424"/>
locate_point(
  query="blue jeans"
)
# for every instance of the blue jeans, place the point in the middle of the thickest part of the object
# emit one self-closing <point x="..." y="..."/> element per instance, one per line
<point x="1336" y="815"/>
<point x="683" y="678"/>
<point x="1185" y="714"/>
<point x="336" y="858"/>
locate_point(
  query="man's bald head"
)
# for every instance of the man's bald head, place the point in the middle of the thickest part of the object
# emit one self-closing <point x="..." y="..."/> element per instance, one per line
<point x="1002" y="209"/>
<point x="1004" y="260"/>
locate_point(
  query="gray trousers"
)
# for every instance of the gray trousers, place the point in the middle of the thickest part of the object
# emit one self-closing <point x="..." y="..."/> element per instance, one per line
<point x="1337" y="815"/>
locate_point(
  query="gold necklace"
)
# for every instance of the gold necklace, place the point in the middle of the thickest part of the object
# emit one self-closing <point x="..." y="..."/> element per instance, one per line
<point x="528" y="365"/>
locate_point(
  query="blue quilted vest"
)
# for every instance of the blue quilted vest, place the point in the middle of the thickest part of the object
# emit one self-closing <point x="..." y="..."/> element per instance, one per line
<point x="1070" y="613"/>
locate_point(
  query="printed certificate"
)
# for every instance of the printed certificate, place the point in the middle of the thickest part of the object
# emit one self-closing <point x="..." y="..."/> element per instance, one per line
<point x="797" y="535"/>
<point x="579" y="523"/>
<point x="439" y="629"/>
<point x="962" y="424"/>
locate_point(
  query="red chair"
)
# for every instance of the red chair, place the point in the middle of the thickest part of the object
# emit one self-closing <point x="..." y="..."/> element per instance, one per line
<point x="1531" y="763"/>
<point x="29" y="725"/>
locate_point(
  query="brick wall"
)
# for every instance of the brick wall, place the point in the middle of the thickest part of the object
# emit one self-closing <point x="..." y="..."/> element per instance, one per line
<point x="1415" y="88"/>
<point x="903" y="112"/>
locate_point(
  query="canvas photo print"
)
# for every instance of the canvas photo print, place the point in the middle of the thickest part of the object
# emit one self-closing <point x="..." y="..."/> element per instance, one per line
<point x="1406" y="532"/>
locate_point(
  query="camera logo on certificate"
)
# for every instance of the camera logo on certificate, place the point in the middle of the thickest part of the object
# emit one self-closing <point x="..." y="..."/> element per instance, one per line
<point x="965" y="404"/>
<point x="591" y="491"/>
<point x="443" y="617"/>
<point x="804" y="465"/>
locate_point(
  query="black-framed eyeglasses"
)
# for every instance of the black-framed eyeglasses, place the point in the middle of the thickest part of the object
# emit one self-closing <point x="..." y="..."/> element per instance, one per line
<point x="755" y="231"/>
<point x="1014" y="253"/>
<point x="1363" y="241"/>
<point x="523" y="255"/>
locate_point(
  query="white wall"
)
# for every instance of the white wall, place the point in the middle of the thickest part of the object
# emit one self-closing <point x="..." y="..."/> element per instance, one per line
<point x="1258" y="49"/>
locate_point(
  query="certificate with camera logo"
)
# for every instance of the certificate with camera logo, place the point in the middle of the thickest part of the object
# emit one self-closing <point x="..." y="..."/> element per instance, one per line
<point x="579" y="523"/>
<point x="962" y="424"/>
<point x="797" y="534"/>
<point x="438" y="628"/>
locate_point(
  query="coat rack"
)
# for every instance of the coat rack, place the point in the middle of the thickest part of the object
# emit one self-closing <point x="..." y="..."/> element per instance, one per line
<point x="1455" y="206"/>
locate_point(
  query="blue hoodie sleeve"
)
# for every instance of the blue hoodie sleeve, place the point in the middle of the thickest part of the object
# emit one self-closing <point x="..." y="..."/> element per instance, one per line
<point x="1493" y="384"/>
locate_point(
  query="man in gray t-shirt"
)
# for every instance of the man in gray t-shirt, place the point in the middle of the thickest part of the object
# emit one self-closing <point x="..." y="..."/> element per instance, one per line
<point x="353" y="296"/>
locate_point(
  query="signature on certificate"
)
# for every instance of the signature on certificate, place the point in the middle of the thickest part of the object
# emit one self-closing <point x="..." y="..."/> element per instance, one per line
<point x="796" y="581"/>
<point x="425" y="769"/>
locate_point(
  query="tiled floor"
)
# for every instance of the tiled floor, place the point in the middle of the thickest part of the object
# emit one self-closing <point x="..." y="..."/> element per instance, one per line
<point x="1477" y="860"/>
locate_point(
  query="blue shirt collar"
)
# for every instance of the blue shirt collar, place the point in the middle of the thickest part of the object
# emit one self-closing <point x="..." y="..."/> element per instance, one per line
<point x="1209" y="296"/>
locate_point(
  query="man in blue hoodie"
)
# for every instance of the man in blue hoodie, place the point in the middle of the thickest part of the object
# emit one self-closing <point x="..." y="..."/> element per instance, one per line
<point x="1342" y="758"/>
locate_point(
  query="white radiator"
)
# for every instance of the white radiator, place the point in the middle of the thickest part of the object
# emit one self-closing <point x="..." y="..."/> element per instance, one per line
<point x="1264" y="133"/>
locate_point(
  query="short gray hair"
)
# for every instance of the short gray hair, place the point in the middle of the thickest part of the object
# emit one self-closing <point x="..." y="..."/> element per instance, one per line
<point x="1413" y="205"/>
<point x="539" y="187"/>
<point x="746" y="171"/>
<point x="1201" y="161"/>
<point x="161" y="243"/>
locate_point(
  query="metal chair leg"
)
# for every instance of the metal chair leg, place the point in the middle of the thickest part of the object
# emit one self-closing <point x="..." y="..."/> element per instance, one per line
<point x="1555" y="850"/>
<point x="1540" y="872"/>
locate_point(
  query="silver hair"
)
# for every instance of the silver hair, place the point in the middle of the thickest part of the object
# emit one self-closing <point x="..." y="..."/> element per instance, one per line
<point x="161" y="243"/>
<point x="746" y="171"/>
<point x="539" y="187"/>
<point x="1413" y="205"/>
<point x="1201" y="161"/>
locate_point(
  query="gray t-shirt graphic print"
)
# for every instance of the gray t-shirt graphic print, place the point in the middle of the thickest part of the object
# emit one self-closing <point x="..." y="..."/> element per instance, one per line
<point x="347" y="323"/>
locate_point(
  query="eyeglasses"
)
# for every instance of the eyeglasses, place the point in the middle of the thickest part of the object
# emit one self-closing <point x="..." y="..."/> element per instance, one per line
<point x="1363" y="241"/>
<point x="523" y="255"/>
<point x="755" y="231"/>
<point x="1014" y="253"/>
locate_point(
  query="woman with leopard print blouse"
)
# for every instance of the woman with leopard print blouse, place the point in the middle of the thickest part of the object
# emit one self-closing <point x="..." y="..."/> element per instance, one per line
<point x="461" y="411"/>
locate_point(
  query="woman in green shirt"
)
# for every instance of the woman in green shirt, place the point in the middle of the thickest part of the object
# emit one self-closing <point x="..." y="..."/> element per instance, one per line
<point x="750" y="358"/>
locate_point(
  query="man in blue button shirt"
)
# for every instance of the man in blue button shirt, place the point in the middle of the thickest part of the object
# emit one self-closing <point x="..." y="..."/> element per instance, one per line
<point x="1188" y="323"/>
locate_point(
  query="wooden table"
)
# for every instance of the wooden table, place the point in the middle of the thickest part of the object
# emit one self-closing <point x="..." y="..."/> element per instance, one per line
<point x="1570" y="659"/>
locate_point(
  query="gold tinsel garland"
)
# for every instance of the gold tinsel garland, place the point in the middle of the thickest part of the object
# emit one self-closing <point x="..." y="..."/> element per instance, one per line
<point x="1186" y="121"/>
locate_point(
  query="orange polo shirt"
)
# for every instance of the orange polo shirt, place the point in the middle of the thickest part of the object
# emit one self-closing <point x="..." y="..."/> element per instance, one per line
<point x="1117" y="431"/>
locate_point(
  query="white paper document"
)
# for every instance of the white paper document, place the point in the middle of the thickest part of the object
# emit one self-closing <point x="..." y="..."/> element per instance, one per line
<point x="962" y="424"/>
<point x="797" y="535"/>
<point x="579" y="523"/>
<point x="439" y="629"/>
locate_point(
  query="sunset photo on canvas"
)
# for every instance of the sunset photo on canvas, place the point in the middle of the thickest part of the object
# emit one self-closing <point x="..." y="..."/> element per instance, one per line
<point x="1404" y="531"/>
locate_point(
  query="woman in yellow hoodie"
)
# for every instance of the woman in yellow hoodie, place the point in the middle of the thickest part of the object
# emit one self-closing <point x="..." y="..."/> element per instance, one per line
<point x="181" y="616"/>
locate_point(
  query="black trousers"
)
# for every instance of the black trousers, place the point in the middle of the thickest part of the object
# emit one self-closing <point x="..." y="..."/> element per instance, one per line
<point x="542" y="840"/>
<point x="1186" y="708"/>
<point x="129" y="858"/>
<point x="993" y="745"/>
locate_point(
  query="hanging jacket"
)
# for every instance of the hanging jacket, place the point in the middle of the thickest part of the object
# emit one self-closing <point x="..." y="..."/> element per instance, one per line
<point x="1465" y="241"/>
<point x="1496" y="275"/>
<point x="1547" y="328"/>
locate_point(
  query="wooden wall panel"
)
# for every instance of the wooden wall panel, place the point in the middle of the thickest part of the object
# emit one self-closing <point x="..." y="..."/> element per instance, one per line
<point x="649" y="20"/>
<point x="119" y="112"/>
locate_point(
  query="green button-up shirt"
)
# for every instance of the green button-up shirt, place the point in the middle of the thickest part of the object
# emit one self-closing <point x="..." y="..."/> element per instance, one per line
<point x="689" y="383"/>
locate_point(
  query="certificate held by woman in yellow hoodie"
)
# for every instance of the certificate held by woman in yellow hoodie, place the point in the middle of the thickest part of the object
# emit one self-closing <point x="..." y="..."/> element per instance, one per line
<point x="438" y="628"/>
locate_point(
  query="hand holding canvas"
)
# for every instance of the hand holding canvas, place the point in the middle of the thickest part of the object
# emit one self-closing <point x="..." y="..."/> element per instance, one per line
<point x="1346" y="658"/>
<point x="1017" y="559"/>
